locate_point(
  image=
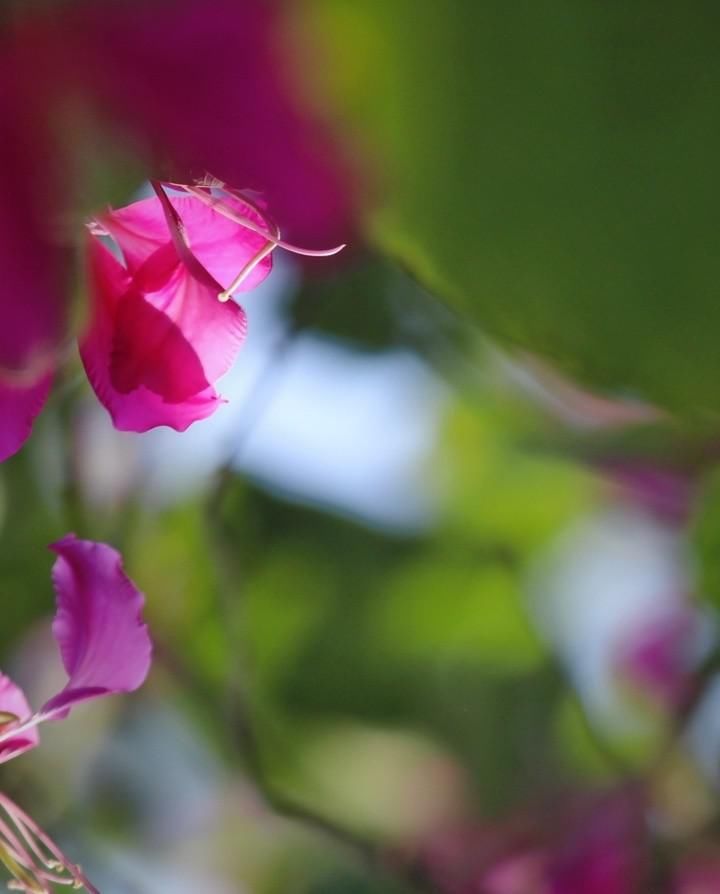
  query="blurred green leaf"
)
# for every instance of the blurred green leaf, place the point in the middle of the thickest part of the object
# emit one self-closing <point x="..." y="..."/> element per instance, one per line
<point x="585" y="750"/>
<point x="706" y="539"/>
<point x="28" y="526"/>
<point x="502" y="489"/>
<point x="171" y="558"/>
<point x="445" y="607"/>
<point x="550" y="170"/>
<point x="414" y="633"/>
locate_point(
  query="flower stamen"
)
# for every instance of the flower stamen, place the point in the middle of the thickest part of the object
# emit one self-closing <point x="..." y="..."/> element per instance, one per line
<point x="218" y="205"/>
<point x="33" y="858"/>
<point x="269" y="230"/>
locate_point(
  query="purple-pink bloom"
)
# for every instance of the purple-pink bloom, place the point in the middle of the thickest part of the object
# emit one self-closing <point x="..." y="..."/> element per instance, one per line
<point x="659" y="658"/>
<point x="665" y="492"/>
<point x="103" y="641"/>
<point x="162" y="326"/>
<point x="159" y="336"/>
<point x="210" y="87"/>
<point x="604" y="849"/>
<point x="578" y="845"/>
<point x="98" y="626"/>
<point x="105" y="648"/>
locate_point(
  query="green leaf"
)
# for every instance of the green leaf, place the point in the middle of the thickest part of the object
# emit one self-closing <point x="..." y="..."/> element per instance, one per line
<point x="445" y="608"/>
<point x="706" y="540"/>
<point x="501" y="489"/>
<point x="171" y="557"/>
<point x="549" y="168"/>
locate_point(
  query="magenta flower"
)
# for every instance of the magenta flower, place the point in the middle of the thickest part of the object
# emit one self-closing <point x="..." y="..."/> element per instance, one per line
<point x="585" y="844"/>
<point x="105" y="649"/>
<point x="658" y="660"/>
<point x="104" y="644"/>
<point x="668" y="493"/>
<point x="208" y="85"/>
<point x="604" y="847"/>
<point x="162" y="328"/>
<point x="159" y="337"/>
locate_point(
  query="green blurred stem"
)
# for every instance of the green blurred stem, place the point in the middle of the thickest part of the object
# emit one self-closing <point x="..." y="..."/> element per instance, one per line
<point x="72" y="502"/>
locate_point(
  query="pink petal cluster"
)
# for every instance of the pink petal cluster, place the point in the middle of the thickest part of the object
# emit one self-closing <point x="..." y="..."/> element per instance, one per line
<point x="208" y="85"/>
<point x="161" y="329"/>
<point x="104" y="644"/>
<point x="159" y="337"/>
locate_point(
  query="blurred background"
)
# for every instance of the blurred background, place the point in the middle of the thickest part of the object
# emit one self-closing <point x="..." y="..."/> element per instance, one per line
<point x="434" y="595"/>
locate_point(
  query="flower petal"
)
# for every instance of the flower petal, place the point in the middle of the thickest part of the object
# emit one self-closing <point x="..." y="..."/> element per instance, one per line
<point x="19" y="405"/>
<point x="222" y="246"/>
<point x="14" y="705"/>
<point x="33" y="266"/>
<point x="104" y="644"/>
<point x="135" y="385"/>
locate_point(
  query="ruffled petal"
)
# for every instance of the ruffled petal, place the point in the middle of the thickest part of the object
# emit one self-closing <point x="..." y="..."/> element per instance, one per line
<point x="19" y="405"/>
<point x="14" y="706"/>
<point x="222" y="246"/>
<point x="136" y="385"/>
<point x="104" y="644"/>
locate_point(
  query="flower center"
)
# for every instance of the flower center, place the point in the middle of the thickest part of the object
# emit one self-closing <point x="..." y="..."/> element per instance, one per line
<point x="267" y="227"/>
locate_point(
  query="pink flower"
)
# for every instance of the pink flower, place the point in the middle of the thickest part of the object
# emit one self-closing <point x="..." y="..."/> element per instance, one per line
<point x="105" y="649"/>
<point x="159" y="335"/>
<point x="665" y="492"/>
<point x="659" y="658"/>
<point x="206" y="85"/>
<point x="603" y="850"/>
<point x="579" y="845"/>
<point x="104" y="644"/>
<point x="162" y="327"/>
